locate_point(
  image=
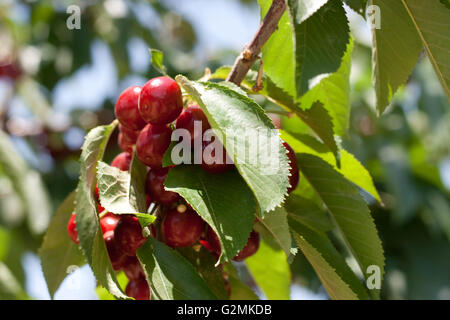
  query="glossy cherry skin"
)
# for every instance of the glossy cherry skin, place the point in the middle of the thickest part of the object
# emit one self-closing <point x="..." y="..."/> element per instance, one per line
<point x="126" y="108"/>
<point x="122" y="161"/>
<point x="116" y="256"/>
<point x="155" y="187"/>
<point x="129" y="134"/>
<point x="124" y="144"/>
<point x="212" y="165"/>
<point x="72" y="229"/>
<point x="250" y="248"/>
<point x="109" y="222"/>
<point x="132" y="268"/>
<point x="295" y="176"/>
<point x="182" y="229"/>
<point x="151" y="144"/>
<point x="160" y="101"/>
<point x="128" y="234"/>
<point x="138" y="289"/>
<point x="187" y="119"/>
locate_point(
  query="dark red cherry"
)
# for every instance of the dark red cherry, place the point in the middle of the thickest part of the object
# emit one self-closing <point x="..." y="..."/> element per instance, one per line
<point x="151" y="144"/>
<point x="212" y="242"/>
<point x="182" y="229"/>
<point x="295" y="176"/>
<point x="250" y="248"/>
<point x="10" y="70"/>
<point x="132" y="268"/>
<point x="156" y="189"/>
<point x="138" y="289"/>
<point x="96" y="193"/>
<point x="108" y="222"/>
<point x="187" y="119"/>
<point x="126" y="109"/>
<point x="128" y="234"/>
<point x="116" y="256"/>
<point x="124" y="144"/>
<point x="129" y="134"/>
<point x="211" y="164"/>
<point x="72" y="229"/>
<point x="160" y="101"/>
<point x="122" y="161"/>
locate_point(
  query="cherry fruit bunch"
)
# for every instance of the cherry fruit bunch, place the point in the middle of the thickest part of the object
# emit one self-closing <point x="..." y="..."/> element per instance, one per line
<point x="147" y="116"/>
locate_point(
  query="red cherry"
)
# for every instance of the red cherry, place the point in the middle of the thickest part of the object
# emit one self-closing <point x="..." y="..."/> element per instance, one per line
<point x="108" y="222"/>
<point x="100" y="209"/>
<point x="182" y="229"/>
<point x="156" y="189"/>
<point x="96" y="193"/>
<point x="116" y="256"/>
<point x="129" y="234"/>
<point x="126" y="108"/>
<point x="295" y="176"/>
<point x="124" y="144"/>
<point x="212" y="165"/>
<point x="10" y="70"/>
<point x="138" y="289"/>
<point x="187" y="118"/>
<point x="122" y="161"/>
<point x="132" y="268"/>
<point x="151" y="144"/>
<point x="212" y="242"/>
<point x="72" y="229"/>
<point x="160" y="101"/>
<point x="250" y="248"/>
<point x="130" y="135"/>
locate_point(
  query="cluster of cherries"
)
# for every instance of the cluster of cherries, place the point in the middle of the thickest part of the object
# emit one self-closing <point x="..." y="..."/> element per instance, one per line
<point x="145" y="116"/>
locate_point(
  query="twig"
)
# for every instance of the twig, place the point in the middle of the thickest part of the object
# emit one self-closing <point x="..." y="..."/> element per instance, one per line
<point x="248" y="56"/>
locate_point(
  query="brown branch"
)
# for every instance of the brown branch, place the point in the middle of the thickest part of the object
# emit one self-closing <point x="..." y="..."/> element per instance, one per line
<point x="248" y="56"/>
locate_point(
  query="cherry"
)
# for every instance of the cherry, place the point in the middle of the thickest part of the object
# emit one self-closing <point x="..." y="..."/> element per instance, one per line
<point x="126" y="109"/>
<point x="156" y="189"/>
<point x="100" y="209"/>
<point x="132" y="268"/>
<point x="295" y="176"/>
<point x="151" y="144"/>
<point x="124" y="143"/>
<point x="108" y="222"/>
<point x="212" y="242"/>
<point x="10" y="70"/>
<point x="122" y="161"/>
<point x="187" y="118"/>
<point x="138" y="289"/>
<point x="116" y="255"/>
<point x="72" y="229"/>
<point x="129" y="234"/>
<point x="182" y="229"/>
<point x="130" y="135"/>
<point x="96" y="193"/>
<point x="212" y="165"/>
<point x="160" y="101"/>
<point x="250" y="248"/>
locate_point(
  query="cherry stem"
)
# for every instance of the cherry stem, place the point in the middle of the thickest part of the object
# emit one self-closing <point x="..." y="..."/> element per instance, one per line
<point x="249" y="55"/>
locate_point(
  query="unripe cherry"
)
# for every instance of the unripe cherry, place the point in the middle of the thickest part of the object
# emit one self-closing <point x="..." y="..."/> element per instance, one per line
<point x="151" y="144"/>
<point x="126" y="108"/>
<point x="160" y="101"/>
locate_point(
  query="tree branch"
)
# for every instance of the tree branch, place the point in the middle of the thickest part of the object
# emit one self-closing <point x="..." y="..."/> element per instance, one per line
<point x="248" y="56"/>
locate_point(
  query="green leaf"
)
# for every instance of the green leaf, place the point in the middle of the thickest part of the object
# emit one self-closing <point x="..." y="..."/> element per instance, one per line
<point x="334" y="92"/>
<point x="350" y="167"/>
<point x="271" y="271"/>
<point x="157" y="61"/>
<point x="308" y="213"/>
<point x="348" y="209"/>
<point x="339" y="281"/>
<point x="358" y="6"/>
<point x="224" y="201"/>
<point x="432" y="22"/>
<point x="103" y="294"/>
<point x="396" y="47"/>
<point x="28" y="185"/>
<point x="171" y="276"/>
<point x="239" y="291"/>
<point x="87" y="220"/>
<point x="10" y="288"/>
<point x="274" y="225"/>
<point x="320" y="39"/>
<point x="58" y="252"/>
<point x="249" y="137"/>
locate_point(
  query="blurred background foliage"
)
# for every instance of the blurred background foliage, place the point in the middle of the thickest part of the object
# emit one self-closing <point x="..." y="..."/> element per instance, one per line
<point x="56" y="84"/>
